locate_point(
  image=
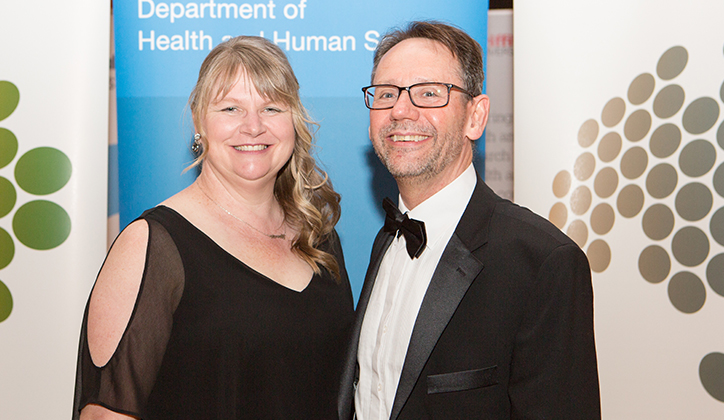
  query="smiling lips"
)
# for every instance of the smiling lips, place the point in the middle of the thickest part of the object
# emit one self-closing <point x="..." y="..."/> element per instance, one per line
<point x="250" y="147"/>
<point x="408" y="138"/>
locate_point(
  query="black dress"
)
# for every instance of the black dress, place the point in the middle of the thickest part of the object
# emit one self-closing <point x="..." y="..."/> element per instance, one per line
<point x="210" y="338"/>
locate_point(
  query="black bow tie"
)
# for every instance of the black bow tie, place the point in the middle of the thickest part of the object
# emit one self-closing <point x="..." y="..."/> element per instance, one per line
<point x="414" y="230"/>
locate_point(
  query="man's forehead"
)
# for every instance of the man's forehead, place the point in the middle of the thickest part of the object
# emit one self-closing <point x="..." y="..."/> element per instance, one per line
<point x="417" y="60"/>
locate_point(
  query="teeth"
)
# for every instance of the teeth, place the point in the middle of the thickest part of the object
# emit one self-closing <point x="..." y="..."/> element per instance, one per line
<point x="251" y="148"/>
<point x="408" y="138"/>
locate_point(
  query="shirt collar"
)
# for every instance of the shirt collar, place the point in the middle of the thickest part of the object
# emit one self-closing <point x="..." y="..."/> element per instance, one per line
<point x="445" y="206"/>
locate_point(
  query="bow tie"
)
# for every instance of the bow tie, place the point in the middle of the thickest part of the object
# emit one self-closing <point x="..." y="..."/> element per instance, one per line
<point x="413" y="230"/>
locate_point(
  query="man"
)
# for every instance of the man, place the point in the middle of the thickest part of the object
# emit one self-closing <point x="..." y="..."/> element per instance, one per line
<point x="488" y="314"/>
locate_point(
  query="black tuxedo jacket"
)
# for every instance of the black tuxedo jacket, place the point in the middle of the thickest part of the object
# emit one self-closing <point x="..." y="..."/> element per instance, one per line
<point x="505" y="330"/>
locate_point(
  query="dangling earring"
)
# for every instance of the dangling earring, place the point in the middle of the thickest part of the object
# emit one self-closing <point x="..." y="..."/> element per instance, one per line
<point x="196" y="145"/>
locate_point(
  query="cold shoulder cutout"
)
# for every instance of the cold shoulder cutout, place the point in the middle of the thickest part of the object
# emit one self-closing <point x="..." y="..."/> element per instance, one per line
<point x="209" y="338"/>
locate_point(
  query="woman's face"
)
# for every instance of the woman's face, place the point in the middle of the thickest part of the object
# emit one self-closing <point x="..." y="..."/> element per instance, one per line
<point x="249" y="137"/>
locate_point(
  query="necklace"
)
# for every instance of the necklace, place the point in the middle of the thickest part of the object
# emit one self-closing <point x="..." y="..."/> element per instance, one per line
<point x="282" y="235"/>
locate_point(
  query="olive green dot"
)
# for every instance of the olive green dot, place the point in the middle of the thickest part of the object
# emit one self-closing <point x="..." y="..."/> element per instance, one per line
<point x="42" y="171"/>
<point x="8" y="147"/>
<point x="6" y="302"/>
<point x="7" y="196"/>
<point x="41" y="225"/>
<point x="687" y="292"/>
<point x="9" y="98"/>
<point x="7" y="248"/>
<point x="700" y="115"/>
<point x="669" y="101"/>
<point x="711" y="375"/>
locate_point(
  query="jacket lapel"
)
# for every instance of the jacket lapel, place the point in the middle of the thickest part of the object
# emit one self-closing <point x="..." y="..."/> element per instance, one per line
<point x="456" y="271"/>
<point x="349" y="374"/>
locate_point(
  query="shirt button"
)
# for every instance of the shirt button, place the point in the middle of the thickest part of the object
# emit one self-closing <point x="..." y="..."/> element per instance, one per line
<point x="384" y="329"/>
<point x="379" y="387"/>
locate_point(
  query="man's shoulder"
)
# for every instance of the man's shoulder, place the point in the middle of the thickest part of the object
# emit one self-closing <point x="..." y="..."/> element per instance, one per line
<point x="511" y="220"/>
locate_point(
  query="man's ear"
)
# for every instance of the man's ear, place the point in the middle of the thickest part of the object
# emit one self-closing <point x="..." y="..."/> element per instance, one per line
<point x="478" y="111"/>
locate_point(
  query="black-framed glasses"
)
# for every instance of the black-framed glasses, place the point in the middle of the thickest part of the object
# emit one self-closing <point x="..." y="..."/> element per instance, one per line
<point x="422" y="95"/>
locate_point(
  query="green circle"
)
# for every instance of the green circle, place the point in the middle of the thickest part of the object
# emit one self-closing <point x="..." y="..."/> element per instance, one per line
<point x="42" y="171"/>
<point x="6" y="302"/>
<point x="41" y="225"/>
<point x="8" y="196"/>
<point x="9" y="98"/>
<point x="7" y="248"/>
<point x="8" y="146"/>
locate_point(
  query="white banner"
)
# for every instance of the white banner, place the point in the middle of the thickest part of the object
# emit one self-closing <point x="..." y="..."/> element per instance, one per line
<point x="53" y="180"/>
<point x="619" y="130"/>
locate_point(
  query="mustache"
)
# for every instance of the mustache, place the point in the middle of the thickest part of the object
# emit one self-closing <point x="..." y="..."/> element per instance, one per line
<point x="407" y="127"/>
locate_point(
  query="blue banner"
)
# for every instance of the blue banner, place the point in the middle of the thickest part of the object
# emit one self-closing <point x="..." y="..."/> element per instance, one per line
<point x="160" y="47"/>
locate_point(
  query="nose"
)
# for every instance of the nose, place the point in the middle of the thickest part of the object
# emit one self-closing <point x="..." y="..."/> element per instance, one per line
<point x="403" y="108"/>
<point x="252" y="124"/>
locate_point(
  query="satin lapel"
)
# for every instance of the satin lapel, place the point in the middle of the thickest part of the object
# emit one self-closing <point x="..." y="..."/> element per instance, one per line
<point x="454" y="275"/>
<point x="455" y="272"/>
<point x="346" y="393"/>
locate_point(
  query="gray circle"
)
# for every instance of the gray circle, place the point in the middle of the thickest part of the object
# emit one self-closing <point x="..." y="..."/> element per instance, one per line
<point x="694" y="201"/>
<point x="637" y="125"/>
<point x="669" y="101"/>
<point x="599" y="255"/>
<point x="584" y="166"/>
<point x="715" y="274"/>
<point x="558" y="215"/>
<point x="630" y="201"/>
<point x="613" y="112"/>
<point x="697" y="158"/>
<point x="718" y="180"/>
<point x="658" y="222"/>
<point x="578" y="231"/>
<point x="665" y="140"/>
<point x="641" y="89"/>
<point x="716" y="226"/>
<point x="634" y="162"/>
<point x="720" y="135"/>
<point x="602" y="218"/>
<point x="711" y="374"/>
<point x="588" y="133"/>
<point x="654" y="264"/>
<point x="580" y="200"/>
<point x="690" y="246"/>
<point x="606" y="182"/>
<point x="561" y="184"/>
<point x="721" y="91"/>
<point x="672" y="62"/>
<point x="700" y="115"/>
<point x="609" y="147"/>
<point x="661" y="180"/>
<point x="687" y="292"/>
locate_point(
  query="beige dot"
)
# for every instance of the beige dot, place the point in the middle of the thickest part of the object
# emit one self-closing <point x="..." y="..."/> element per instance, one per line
<point x="613" y="112"/>
<point x="654" y="264"/>
<point x="630" y="201"/>
<point x="578" y="231"/>
<point x="602" y="218"/>
<point x="580" y="200"/>
<point x="669" y="101"/>
<point x="672" y="62"/>
<point x="634" y="162"/>
<point x="641" y="89"/>
<point x="637" y="125"/>
<point x="561" y="184"/>
<point x="584" y="166"/>
<point x="606" y="182"/>
<point x="609" y="147"/>
<point x="599" y="255"/>
<point x="588" y="133"/>
<point x="558" y="215"/>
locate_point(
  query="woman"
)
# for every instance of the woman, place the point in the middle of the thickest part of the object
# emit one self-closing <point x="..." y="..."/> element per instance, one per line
<point x="229" y="300"/>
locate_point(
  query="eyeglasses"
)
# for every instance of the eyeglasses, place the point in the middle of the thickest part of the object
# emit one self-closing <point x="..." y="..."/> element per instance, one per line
<point x="422" y="95"/>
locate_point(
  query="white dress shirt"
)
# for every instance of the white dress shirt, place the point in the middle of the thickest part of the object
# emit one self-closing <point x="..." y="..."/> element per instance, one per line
<point x="398" y="292"/>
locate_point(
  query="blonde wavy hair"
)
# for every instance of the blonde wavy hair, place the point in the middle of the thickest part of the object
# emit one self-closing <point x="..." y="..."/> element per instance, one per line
<point x="303" y="190"/>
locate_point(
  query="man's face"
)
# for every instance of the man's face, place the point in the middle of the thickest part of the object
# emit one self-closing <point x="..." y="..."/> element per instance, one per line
<point x="422" y="143"/>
